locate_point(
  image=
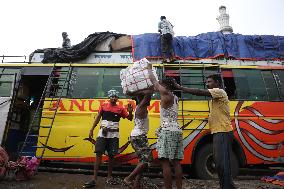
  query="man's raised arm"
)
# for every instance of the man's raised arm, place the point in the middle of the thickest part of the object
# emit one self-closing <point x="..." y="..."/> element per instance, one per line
<point x="153" y="78"/>
<point x="130" y="112"/>
<point x="198" y="92"/>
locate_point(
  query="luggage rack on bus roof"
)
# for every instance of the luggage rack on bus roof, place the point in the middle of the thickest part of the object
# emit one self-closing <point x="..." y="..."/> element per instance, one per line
<point x="14" y="59"/>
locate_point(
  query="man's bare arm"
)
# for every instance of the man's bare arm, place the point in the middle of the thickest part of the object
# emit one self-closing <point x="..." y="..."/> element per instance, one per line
<point x="145" y="100"/>
<point x="130" y="112"/>
<point x="197" y="92"/>
<point x="156" y="84"/>
<point x="97" y="120"/>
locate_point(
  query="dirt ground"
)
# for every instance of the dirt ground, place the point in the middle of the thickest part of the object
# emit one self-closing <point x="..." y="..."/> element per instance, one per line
<point x="46" y="180"/>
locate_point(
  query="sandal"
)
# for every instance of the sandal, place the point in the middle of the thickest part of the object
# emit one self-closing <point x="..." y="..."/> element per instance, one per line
<point x="90" y="184"/>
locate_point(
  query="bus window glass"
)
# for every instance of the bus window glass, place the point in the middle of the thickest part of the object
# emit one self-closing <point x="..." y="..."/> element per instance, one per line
<point x="192" y="78"/>
<point x="111" y="80"/>
<point x="96" y="81"/>
<point x="195" y="78"/>
<point x="229" y="83"/>
<point x="6" y="83"/>
<point x="270" y="85"/>
<point x="87" y="83"/>
<point x="279" y="74"/>
<point x="249" y="85"/>
<point x="7" y="78"/>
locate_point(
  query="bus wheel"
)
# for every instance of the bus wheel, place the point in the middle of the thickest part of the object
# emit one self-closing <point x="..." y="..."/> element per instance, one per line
<point x="205" y="167"/>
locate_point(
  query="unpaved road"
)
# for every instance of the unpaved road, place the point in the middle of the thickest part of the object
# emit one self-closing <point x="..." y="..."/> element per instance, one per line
<point x="45" y="180"/>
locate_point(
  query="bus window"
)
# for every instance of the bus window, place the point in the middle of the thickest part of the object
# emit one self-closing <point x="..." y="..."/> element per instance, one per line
<point x="6" y="82"/>
<point x="279" y="76"/>
<point x="94" y="82"/>
<point x="249" y="85"/>
<point x="87" y="83"/>
<point x="7" y="78"/>
<point x="195" y="78"/>
<point x="111" y="80"/>
<point x="270" y="85"/>
<point x="229" y="83"/>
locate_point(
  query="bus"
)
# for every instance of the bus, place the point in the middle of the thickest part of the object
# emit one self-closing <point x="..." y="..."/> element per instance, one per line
<point x="255" y="91"/>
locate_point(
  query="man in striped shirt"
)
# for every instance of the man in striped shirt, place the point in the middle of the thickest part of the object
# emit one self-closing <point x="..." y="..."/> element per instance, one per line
<point x="108" y="135"/>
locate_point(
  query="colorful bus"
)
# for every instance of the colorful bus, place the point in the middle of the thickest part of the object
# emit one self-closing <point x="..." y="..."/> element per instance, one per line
<point x="256" y="94"/>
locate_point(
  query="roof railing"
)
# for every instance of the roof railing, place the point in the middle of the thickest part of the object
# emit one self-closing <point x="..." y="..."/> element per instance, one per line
<point x="14" y="59"/>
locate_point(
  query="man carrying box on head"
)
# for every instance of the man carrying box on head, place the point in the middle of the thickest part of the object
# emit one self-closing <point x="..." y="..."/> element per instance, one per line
<point x="138" y="136"/>
<point x="108" y="135"/>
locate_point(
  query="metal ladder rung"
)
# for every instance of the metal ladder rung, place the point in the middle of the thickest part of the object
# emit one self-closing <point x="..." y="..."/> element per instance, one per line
<point x="27" y="153"/>
<point x="36" y="136"/>
<point x="37" y="126"/>
<point x="57" y="85"/>
<point x="60" y="79"/>
<point x="37" y="146"/>
<point x="51" y="100"/>
<point x="57" y="77"/>
<point x="45" y="126"/>
<point x="60" y="71"/>
<point x="29" y="142"/>
<point x="50" y="109"/>
<point x="46" y="117"/>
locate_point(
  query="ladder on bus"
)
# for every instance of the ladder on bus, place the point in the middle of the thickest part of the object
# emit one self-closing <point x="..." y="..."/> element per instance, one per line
<point x="14" y="93"/>
<point x="56" y="87"/>
<point x="190" y="78"/>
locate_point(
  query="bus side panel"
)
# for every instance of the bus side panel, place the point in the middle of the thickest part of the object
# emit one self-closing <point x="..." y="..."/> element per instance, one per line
<point x="259" y="127"/>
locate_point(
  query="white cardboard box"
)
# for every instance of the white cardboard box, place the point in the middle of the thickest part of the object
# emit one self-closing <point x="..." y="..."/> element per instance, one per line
<point x="136" y="77"/>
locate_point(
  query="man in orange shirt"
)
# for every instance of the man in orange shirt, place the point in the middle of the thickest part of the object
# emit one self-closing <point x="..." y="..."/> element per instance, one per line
<point x="108" y="135"/>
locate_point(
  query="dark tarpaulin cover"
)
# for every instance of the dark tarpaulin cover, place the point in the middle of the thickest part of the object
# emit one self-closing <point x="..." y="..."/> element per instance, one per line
<point x="212" y="45"/>
<point x="76" y="52"/>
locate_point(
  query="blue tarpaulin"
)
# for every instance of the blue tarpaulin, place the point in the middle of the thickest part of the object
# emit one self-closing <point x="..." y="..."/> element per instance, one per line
<point x="212" y="45"/>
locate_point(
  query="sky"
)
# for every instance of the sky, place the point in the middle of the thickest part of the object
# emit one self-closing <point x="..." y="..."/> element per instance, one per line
<point x="27" y="25"/>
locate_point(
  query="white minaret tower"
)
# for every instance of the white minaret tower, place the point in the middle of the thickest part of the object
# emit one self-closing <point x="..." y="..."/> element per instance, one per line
<point x="223" y="20"/>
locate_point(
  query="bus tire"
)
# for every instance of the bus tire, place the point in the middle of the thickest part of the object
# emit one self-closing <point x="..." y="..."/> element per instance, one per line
<point x="204" y="165"/>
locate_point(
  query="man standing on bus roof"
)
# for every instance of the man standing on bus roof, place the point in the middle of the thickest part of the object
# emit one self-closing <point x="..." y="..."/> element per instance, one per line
<point x="167" y="33"/>
<point x="108" y="135"/>
<point x="138" y="136"/>
<point x="220" y="126"/>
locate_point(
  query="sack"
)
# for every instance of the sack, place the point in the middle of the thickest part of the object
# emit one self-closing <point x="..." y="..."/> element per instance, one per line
<point x="4" y="158"/>
<point x="26" y="168"/>
<point x="136" y="76"/>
